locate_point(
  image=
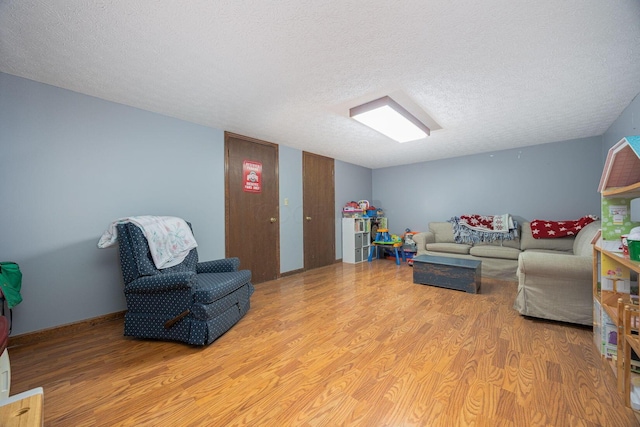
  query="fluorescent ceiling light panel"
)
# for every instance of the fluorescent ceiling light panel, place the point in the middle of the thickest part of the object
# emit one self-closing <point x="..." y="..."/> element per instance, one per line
<point x="389" y="118"/>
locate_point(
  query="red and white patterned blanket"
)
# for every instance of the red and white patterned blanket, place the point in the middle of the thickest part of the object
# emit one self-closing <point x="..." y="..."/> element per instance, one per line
<point x="543" y="229"/>
<point x="495" y="223"/>
<point x="472" y="229"/>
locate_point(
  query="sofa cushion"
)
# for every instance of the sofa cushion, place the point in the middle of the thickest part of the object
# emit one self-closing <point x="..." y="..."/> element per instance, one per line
<point x="443" y="231"/>
<point x="139" y="261"/>
<point x="491" y="251"/>
<point x="146" y="267"/>
<point x="548" y="251"/>
<point x="213" y="286"/>
<point x="563" y="244"/>
<point x="582" y="244"/>
<point x="515" y="244"/>
<point x="450" y="248"/>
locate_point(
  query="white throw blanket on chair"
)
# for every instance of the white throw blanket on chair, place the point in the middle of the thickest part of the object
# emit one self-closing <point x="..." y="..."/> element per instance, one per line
<point x="170" y="238"/>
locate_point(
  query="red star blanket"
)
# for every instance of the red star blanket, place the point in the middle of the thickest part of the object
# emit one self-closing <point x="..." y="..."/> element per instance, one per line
<point x="544" y="229"/>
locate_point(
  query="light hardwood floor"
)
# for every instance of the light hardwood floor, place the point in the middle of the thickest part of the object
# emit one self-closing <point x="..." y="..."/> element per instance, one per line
<point x="357" y="345"/>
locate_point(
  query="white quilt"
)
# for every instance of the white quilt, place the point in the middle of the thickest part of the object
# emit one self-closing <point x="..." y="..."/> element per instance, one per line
<point x="170" y="238"/>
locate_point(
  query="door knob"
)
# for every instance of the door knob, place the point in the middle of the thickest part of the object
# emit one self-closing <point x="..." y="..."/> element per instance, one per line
<point x="308" y="218"/>
<point x="273" y="220"/>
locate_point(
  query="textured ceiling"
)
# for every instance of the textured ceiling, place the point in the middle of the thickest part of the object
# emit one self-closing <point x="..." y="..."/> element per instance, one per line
<point x="494" y="74"/>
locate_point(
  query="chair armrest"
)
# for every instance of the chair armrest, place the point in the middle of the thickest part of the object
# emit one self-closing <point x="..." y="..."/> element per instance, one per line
<point x="224" y="265"/>
<point x="161" y="283"/>
<point x="423" y="238"/>
<point x="544" y="264"/>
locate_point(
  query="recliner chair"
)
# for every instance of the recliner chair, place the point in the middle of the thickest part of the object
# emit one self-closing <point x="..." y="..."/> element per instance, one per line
<point x="193" y="302"/>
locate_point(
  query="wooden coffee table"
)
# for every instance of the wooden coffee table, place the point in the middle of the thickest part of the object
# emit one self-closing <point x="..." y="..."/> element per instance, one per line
<point x="451" y="273"/>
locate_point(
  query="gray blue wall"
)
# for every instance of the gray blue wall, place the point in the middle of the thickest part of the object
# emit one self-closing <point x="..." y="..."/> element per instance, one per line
<point x="551" y="181"/>
<point x="70" y="164"/>
<point x="291" y="227"/>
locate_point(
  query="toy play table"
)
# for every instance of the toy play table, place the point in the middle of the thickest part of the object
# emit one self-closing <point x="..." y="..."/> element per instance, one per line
<point x="396" y="246"/>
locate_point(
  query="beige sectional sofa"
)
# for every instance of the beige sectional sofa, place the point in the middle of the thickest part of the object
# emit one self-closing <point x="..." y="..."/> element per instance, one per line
<point x="554" y="275"/>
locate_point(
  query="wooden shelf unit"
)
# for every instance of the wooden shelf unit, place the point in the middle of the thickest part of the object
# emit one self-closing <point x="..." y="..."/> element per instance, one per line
<point x="619" y="184"/>
<point x="632" y="191"/>
<point x="612" y="303"/>
<point x="631" y="341"/>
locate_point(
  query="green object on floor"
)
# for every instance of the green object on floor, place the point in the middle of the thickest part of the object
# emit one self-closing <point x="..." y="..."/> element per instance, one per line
<point x="11" y="282"/>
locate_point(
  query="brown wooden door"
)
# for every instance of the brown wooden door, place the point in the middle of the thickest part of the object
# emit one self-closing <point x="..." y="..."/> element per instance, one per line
<point x="252" y="229"/>
<point x="319" y="210"/>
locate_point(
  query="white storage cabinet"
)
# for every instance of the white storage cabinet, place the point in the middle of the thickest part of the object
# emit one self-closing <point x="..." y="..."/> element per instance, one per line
<point x="356" y="239"/>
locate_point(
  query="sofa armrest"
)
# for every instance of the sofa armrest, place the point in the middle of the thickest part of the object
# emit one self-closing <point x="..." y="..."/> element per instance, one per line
<point x="160" y="283"/>
<point x="224" y="265"/>
<point x="423" y="238"/>
<point x="543" y="264"/>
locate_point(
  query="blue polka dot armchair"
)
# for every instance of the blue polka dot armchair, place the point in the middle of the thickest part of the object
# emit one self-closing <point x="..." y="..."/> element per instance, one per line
<point x="193" y="302"/>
